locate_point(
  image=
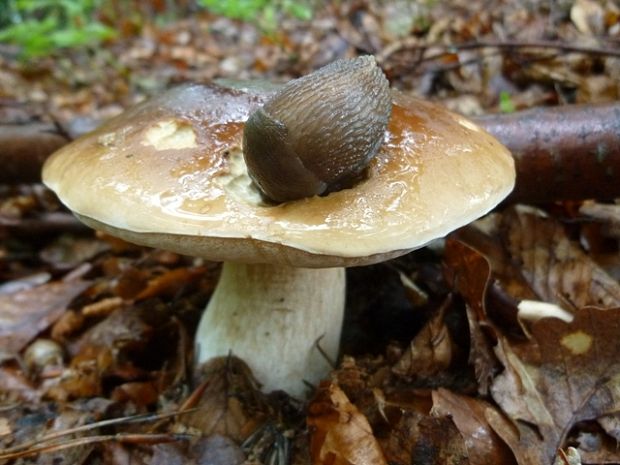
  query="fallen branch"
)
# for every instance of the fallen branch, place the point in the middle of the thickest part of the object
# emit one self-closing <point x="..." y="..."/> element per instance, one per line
<point x="413" y="43"/>
<point x="570" y="152"/>
<point x="24" y="148"/>
<point x="44" y="224"/>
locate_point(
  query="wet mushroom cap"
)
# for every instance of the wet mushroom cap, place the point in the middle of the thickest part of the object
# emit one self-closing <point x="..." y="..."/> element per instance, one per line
<point x="169" y="173"/>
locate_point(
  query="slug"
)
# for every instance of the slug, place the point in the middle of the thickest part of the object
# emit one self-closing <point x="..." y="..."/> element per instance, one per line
<point x="319" y="132"/>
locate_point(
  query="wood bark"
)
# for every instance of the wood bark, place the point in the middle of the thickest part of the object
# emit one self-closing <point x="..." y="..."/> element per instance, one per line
<point x="24" y="148"/>
<point x="570" y="152"/>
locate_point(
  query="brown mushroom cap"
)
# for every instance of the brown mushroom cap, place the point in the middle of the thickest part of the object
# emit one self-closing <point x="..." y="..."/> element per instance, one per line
<point x="169" y="173"/>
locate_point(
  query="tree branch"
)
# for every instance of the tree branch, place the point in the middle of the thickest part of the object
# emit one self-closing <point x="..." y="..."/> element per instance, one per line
<point x="24" y="148"/>
<point x="570" y="152"/>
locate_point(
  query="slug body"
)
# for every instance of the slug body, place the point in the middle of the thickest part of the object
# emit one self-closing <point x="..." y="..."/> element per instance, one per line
<point x="319" y="131"/>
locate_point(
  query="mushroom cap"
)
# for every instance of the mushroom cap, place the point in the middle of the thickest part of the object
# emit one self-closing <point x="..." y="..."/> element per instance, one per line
<point x="169" y="173"/>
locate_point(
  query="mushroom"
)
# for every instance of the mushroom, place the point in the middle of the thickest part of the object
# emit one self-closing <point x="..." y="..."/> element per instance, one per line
<point x="170" y="173"/>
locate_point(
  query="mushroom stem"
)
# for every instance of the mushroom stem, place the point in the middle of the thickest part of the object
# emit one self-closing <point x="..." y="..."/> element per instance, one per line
<point x="284" y="322"/>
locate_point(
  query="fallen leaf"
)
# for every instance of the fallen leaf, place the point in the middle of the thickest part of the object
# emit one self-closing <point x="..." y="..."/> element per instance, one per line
<point x="340" y="434"/>
<point x="212" y="450"/>
<point x="567" y="373"/>
<point x="430" y="351"/>
<point x="15" y="385"/>
<point x="554" y="266"/>
<point x="523" y="439"/>
<point x="483" y="445"/>
<point x="25" y="314"/>
<point x="141" y="393"/>
<point x="421" y="438"/>
<point x="588" y="16"/>
<point x="102" y="307"/>
<point x="231" y="404"/>
<point x="68" y="252"/>
<point x="171" y="282"/>
<point x="595" y="447"/>
<point x="125" y="327"/>
<point x="470" y="273"/>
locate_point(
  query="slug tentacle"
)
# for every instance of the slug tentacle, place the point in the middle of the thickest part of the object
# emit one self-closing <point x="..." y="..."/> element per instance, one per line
<point x="318" y="131"/>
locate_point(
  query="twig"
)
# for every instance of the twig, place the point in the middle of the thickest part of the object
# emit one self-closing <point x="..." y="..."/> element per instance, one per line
<point x="90" y="426"/>
<point x="414" y="44"/>
<point x="45" y="223"/>
<point x="124" y="438"/>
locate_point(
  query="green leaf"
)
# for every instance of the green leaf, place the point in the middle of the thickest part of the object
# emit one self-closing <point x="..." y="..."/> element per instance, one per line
<point x="506" y="105"/>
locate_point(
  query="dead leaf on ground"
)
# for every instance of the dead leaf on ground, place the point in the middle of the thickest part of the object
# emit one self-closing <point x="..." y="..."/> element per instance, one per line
<point x="15" y="386"/>
<point x="231" y="404"/>
<point x="101" y="352"/>
<point x="170" y="283"/>
<point x="567" y="373"/>
<point x="340" y="433"/>
<point x="422" y="438"/>
<point x="470" y="273"/>
<point x="67" y="251"/>
<point x="555" y="267"/>
<point x="430" y="351"/>
<point x="483" y="445"/>
<point x="25" y="314"/>
<point x="212" y="450"/>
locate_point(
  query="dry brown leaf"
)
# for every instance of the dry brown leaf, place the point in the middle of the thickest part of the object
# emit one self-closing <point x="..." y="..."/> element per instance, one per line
<point x="171" y="282"/>
<point x="211" y="450"/>
<point x="522" y="438"/>
<point x="430" y="352"/>
<point x="470" y="272"/>
<point x="101" y="352"/>
<point x="231" y="404"/>
<point x="68" y="252"/>
<point x="588" y="16"/>
<point x="340" y="434"/>
<point x="468" y="414"/>
<point x="123" y="328"/>
<point x="420" y="438"/>
<point x="14" y="385"/>
<point x="554" y="266"/>
<point x="567" y="373"/>
<point x="607" y="214"/>
<point x="25" y="314"/>
<point x="141" y="393"/>
<point x="596" y="448"/>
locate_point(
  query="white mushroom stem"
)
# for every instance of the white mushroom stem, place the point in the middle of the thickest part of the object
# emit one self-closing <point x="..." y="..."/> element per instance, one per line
<point x="284" y="322"/>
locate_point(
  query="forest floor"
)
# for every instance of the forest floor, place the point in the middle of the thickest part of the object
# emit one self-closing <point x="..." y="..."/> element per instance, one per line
<point x="439" y="363"/>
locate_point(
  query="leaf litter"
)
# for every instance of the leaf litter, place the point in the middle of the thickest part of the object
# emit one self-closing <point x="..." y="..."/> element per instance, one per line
<point x="456" y="374"/>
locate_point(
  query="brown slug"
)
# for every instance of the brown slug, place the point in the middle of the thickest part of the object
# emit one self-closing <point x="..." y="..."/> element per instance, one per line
<point x="319" y="131"/>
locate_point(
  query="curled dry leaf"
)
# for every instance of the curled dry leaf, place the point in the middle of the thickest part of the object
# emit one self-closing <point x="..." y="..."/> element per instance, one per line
<point x="141" y="393"/>
<point x="340" y="433"/>
<point x="14" y="385"/>
<point x="430" y="352"/>
<point x="67" y="251"/>
<point x="483" y="445"/>
<point x="231" y="404"/>
<point x="554" y="266"/>
<point x="421" y="438"/>
<point x="171" y="282"/>
<point x="567" y="373"/>
<point x="470" y="273"/>
<point x="101" y="352"/>
<point x="26" y="313"/>
<point x="211" y="450"/>
<point x="522" y="438"/>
